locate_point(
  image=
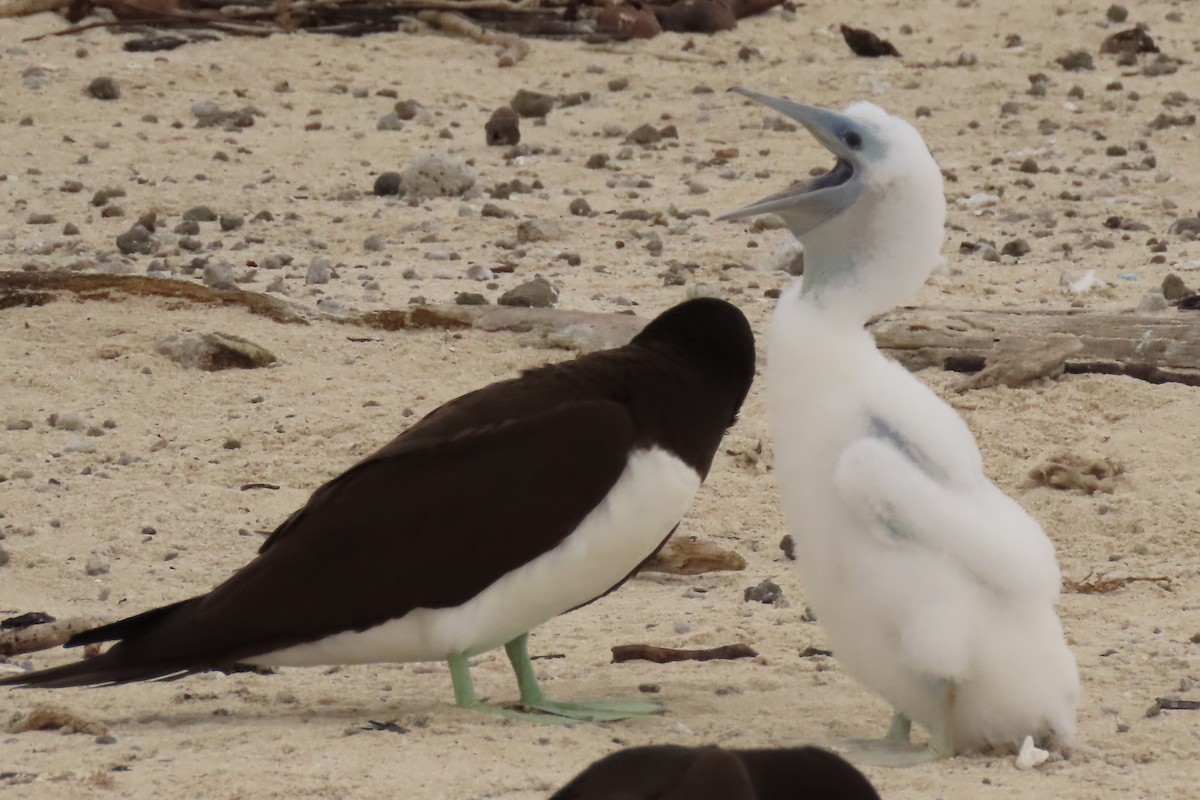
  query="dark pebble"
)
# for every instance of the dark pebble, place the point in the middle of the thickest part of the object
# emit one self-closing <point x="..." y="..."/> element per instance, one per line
<point x="200" y="214"/>
<point x="104" y="88"/>
<point x="788" y="545"/>
<point x="154" y="44"/>
<point x="25" y="620"/>
<point x="580" y="208"/>
<point x="470" y="299"/>
<point x="537" y="293"/>
<point x="1117" y="13"/>
<point x="136" y="240"/>
<point x="1016" y="247"/>
<point x="531" y="104"/>
<point x="766" y="591"/>
<point x="387" y="183"/>
<point x="408" y="109"/>
<point x="864" y="43"/>
<point x="503" y="127"/>
<point x="1076" y="61"/>
<point x="1174" y="289"/>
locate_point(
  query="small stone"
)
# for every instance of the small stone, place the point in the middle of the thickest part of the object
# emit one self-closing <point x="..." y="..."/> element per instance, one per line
<point x="470" y="299"/>
<point x="4" y="557"/>
<point x="104" y="88"/>
<point x="408" y="109"/>
<point x="1115" y="150"/>
<point x="14" y="423"/>
<point x="214" y="351"/>
<point x="200" y="214"/>
<point x="96" y="566"/>
<point x="187" y="227"/>
<point x="987" y="252"/>
<point x="788" y="546"/>
<point x="538" y="230"/>
<point x="503" y="127"/>
<point x="106" y="739"/>
<point x="388" y="183"/>
<point x="231" y="222"/>
<point x="389" y="122"/>
<point x="436" y="176"/>
<point x="1153" y="301"/>
<point x="320" y="270"/>
<point x="618" y="84"/>
<point x="531" y="104"/>
<point x="219" y="276"/>
<point x="1173" y="288"/>
<point x="70" y="229"/>
<point x="1132" y="42"/>
<point x="40" y="219"/>
<point x="232" y="444"/>
<point x="1117" y="13"/>
<point x="1029" y="166"/>
<point x="375" y="242"/>
<point x="80" y="445"/>
<point x="537" y="293"/>
<point x="766" y="591"/>
<point x="1015" y="247"/>
<point x="137" y="240"/>
<point x="682" y="626"/>
<point x="66" y="421"/>
<point x="1185" y="225"/>
<point x="644" y="135"/>
<point x="580" y="207"/>
<point x="478" y="272"/>
<point x="649" y="688"/>
<point x="1076" y="61"/>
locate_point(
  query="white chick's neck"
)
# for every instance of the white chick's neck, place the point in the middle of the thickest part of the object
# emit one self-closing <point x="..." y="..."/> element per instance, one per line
<point x="875" y="255"/>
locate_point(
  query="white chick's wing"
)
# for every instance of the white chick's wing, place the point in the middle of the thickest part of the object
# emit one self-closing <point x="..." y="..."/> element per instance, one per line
<point x="912" y="501"/>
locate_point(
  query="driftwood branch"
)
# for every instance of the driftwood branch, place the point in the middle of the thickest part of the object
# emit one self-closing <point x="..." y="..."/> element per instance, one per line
<point x="571" y="330"/>
<point x="33" y="638"/>
<point x="693" y="557"/>
<point x="1008" y="347"/>
<point x="1154" y="348"/>
<point x="22" y="8"/>
<point x="665" y="655"/>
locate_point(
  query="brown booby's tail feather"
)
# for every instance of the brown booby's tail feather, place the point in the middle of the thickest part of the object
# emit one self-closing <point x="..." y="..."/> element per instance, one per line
<point x="107" y="669"/>
<point x="143" y="653"/>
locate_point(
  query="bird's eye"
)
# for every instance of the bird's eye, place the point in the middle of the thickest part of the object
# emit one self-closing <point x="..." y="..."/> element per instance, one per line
<point x="852" y="140"/>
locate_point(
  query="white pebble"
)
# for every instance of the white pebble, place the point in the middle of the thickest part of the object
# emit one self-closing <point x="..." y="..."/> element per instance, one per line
<point x="1031" y="755"/>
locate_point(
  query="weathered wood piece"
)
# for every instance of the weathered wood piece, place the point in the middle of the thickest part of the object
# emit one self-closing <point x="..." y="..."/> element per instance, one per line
<point x="581" y="331"/>
<point x="665" y="655"/>
<point x="1154" y="348"/>
<point x="33" y="638"/>
<point x="693" y="557"/>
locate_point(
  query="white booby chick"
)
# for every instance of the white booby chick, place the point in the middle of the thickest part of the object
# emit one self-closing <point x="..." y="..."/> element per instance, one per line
<point x="933" y="587"/>
<point x="522" y="500"/>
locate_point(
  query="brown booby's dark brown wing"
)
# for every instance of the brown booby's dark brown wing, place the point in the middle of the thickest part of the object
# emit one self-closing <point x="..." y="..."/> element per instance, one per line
<point x="425" y="526"/>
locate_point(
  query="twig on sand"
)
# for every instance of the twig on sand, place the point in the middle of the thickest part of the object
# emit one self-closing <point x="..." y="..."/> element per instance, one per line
<point x="665" y="655"/>
<point x="1093" y="585"/>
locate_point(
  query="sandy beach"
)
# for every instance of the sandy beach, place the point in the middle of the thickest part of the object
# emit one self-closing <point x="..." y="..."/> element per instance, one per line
<point x="143" y="504"/>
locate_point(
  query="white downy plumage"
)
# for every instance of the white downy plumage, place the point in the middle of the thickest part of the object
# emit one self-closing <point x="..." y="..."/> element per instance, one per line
<point x="933" y="587"/>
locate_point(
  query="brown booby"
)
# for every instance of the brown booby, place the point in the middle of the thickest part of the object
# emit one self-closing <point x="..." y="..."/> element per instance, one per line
<point x="673" y="772"/>
<point x="497" y="511"/>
